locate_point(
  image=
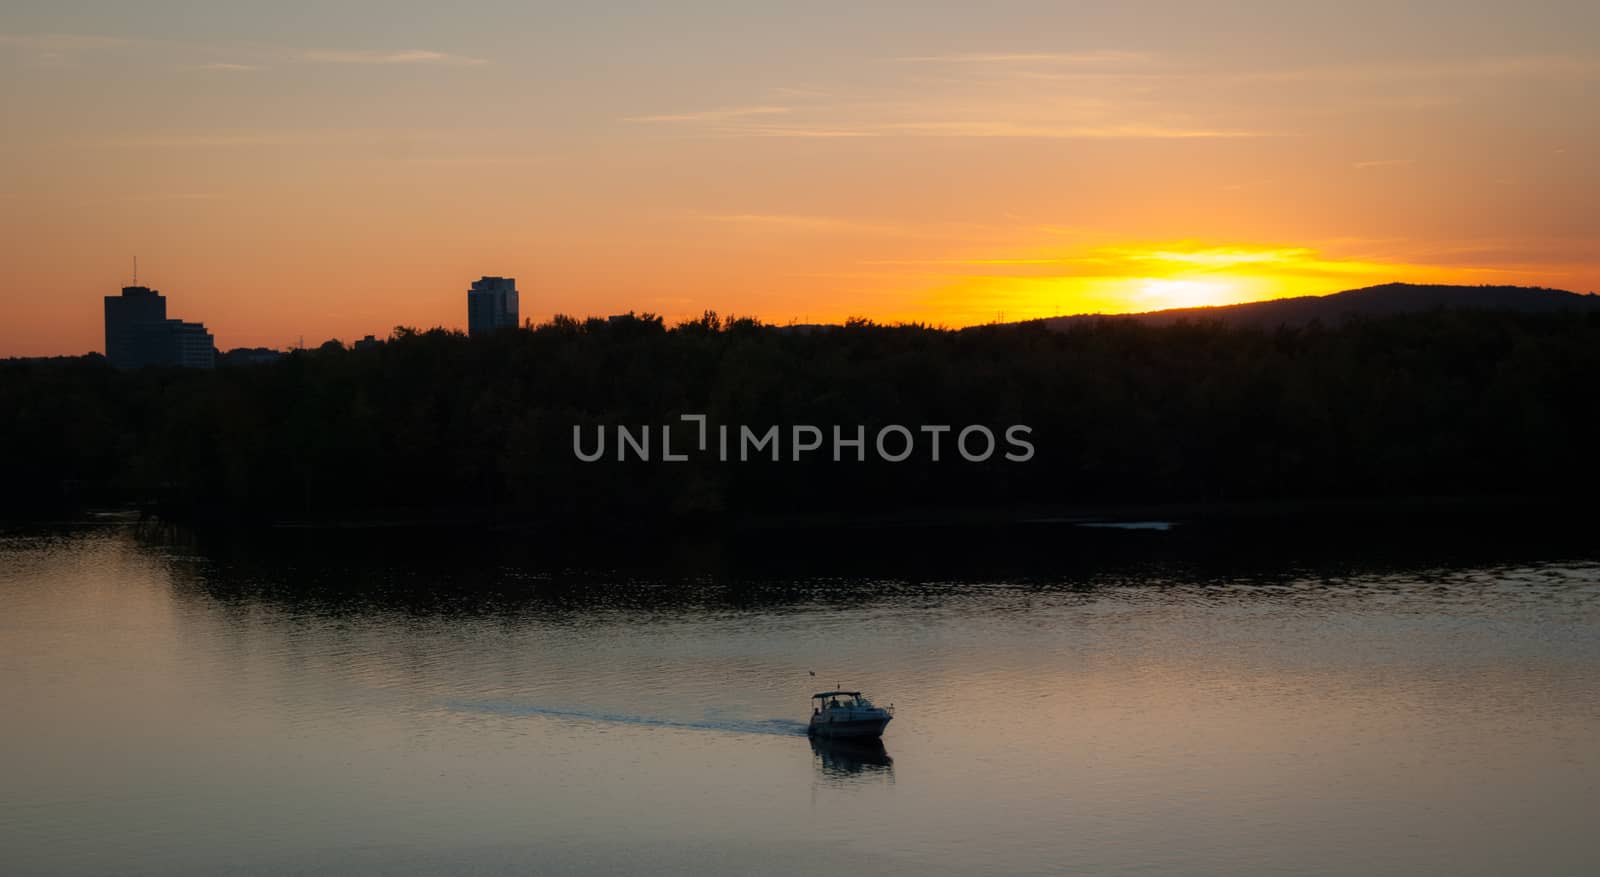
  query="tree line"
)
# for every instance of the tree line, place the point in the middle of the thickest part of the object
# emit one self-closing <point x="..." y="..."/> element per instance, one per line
<point x="433" y="423"/>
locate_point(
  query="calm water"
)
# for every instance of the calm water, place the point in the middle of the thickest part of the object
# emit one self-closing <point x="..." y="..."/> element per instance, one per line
<point x="171" y="707"/>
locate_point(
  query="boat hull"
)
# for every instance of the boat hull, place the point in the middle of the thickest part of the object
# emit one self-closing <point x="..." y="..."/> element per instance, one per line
<point x="838" y="726"/>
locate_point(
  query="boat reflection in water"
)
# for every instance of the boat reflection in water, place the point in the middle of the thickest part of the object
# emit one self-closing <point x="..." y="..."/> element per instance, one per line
<point x="848" y="758"/>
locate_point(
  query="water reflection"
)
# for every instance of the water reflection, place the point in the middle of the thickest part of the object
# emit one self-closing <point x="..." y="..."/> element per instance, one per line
<point x="349" y="702"/>
<point x="456" y="574"/>
<point x="852" y="759"/>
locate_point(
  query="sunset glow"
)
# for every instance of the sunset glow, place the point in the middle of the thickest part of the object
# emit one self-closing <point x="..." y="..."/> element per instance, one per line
<point x="284" y="177"/>
<point x="1133" y="278"/>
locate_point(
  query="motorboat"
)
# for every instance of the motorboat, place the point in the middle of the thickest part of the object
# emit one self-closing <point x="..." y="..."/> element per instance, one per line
<point x="847" y="714"/>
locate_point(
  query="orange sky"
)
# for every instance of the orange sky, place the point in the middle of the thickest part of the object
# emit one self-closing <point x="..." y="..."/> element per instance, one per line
<point x="300" y="171"/>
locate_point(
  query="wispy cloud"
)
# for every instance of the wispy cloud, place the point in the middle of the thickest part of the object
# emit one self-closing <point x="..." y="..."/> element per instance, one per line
<point x="225" y="67"/>
<point x="1061" y="132"/>
<point x="1071" y="58"/>
<point x="1382" y="162"/>
<point x="1504" y="67"/>
<point x="59" y="42"/>
<point x="796" y="130"/>
<point x="977" y="128"/>
<point x="974" y="95"/>
<point x="409" y="56"/>
<point x="799" y="93"/>
<point x="60" y="48"/>
<point x="470" y="159"/>
<point x="367" y="138"/>
<point x="1143" y="277"/>
<point x="178" y="196"/>
<point x="1114" y="94"/>
<point x="231" y="139"/>
<point x="716" y="115"/>
<point x="798" y="222"/>
<point x="937" y="262"/>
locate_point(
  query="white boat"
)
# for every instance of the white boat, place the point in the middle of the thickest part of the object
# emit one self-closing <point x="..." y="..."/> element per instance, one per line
<point x="847" y="714"/>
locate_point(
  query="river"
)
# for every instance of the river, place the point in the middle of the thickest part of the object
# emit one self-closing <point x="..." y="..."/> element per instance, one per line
<point x="299" y="704"/>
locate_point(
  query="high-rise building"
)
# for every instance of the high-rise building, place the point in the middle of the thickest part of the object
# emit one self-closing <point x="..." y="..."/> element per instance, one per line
<point x="192" y="345"/>
<point x="138" y="333"/>
<point x="130" y="341"/>
<point x="491" y="305"/>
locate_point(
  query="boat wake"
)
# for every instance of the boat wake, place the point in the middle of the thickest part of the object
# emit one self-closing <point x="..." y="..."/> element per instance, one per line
<point x="730" y="725"/>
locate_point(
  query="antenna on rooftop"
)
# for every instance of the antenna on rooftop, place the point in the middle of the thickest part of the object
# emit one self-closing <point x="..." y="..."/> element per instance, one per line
<point x="135" y="270"/>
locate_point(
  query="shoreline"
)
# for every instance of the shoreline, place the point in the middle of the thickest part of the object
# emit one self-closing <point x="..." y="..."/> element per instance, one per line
<point x="1529" y="509"/>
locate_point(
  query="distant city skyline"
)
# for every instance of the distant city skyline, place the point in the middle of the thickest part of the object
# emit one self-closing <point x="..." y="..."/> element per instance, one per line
<point x="139" y="333"/>
<point x="292" y="170"/>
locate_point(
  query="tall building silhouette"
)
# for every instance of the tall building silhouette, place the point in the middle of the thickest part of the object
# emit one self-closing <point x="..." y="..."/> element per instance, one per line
<point x="492" y="304"/>
<point x="138" y="333"/>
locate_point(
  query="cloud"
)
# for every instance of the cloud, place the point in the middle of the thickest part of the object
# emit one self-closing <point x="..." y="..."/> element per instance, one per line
<point x="1214" y="258"/>
<point x="794" y="92"/>
<point x="984" y="128"/>
<point x="57" y="48"/>
<point x="1382" y="162"/>
<point x="1504" y="67"/>
<point x="797" y="222"/>
<point x="977" y="95"/>
<point x="976" y="128"/>
<point x="711" y="115"/>
<point x="1116" y="94"/>
<point x="409" y="56"/>
<point x="60" y="50"/>
<point x="1182" y="259"/>
<point x="225" y="67"/>
<point x="58" y="42"/>
<point x="232" y="139"/>
<point x="1142" y="277"/>
<point x="470" y="159"/>
<point x="178" y="196"/>
<point x="366" y="138"/>
<point x="1051" y="261"/>
<point x="1032" y="58"/>
<point x="792" y="131"/>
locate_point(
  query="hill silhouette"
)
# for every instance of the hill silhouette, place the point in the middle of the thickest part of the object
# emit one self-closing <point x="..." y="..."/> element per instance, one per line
<point x="1372" y="301"/>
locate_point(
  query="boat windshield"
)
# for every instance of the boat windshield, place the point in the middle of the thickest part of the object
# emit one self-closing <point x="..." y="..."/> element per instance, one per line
<point x="845" y="701"/>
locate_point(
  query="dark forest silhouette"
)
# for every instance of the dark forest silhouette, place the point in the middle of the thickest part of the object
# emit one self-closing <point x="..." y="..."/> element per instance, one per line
<point x="1480" y="403"/>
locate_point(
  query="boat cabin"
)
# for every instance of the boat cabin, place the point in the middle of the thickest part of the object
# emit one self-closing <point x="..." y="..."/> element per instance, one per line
<point x="840" y="700"/>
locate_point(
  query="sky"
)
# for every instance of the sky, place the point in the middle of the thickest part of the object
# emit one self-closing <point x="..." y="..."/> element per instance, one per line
<point x="335" y="169"/>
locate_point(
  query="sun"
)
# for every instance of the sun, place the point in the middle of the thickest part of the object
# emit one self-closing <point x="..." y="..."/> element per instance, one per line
<point x="1130" y="278"/>
<point x="1160" y="293"/>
